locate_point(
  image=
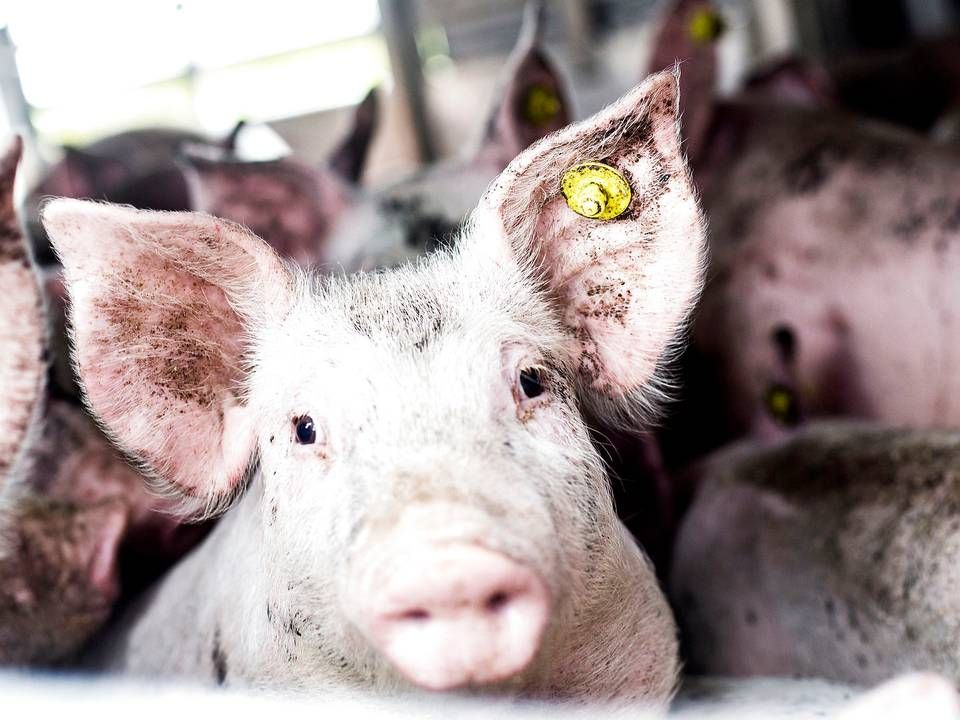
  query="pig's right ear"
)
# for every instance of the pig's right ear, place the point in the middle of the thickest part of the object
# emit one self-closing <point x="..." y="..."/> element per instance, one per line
<point x="163" y="307"/>
<point x="604" y="216"/>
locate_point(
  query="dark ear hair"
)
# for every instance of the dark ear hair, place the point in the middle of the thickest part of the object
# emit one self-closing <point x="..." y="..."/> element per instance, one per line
<point x="532" y="101"/>
<point x="348" y="158"/>
<point x="688" y="34"/>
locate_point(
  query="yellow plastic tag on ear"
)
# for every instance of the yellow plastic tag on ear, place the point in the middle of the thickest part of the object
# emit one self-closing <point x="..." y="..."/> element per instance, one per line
<point x="541" y="106"/>
<point x="782" y="405"/>
<point x="706" y="25"/>
<point x="596" y="191"/>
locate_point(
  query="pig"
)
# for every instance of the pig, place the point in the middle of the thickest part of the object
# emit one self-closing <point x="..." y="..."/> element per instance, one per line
<point x="22" y="339"/>
<point x="312" y="211"/>
<point x="826" y="554"/>
<point x="830" y="292"/>
<point x="418" y="214"/>
<point x="55" y="584"/>
<point x="136" y="167"/>
<point x="292" y="206"/>
<point x="69" y="506"/>
<point x="377" y="531"/>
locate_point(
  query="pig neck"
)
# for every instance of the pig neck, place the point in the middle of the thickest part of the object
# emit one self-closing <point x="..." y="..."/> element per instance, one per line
<point x="201" y="612"/>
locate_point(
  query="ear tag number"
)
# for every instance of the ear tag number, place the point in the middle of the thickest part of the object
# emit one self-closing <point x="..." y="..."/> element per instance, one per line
<point x="596" y="191"/>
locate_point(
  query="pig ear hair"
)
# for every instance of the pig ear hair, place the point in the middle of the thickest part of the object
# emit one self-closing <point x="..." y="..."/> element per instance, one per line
<point x="163" y="306"/>
<point x="687" y="36"/>
<point x="348" y="158"/>
<point x="22" y="330"/>
<point x="625" y="273"/>
<point x="532" y="101"/>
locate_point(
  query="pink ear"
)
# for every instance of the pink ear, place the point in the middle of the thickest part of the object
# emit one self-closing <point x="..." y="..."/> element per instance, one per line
<point x="161" y="306"/>
<point x="625" y="284"/>
<point x="688" y="33"/>
<point x="532" y="101"/>
<point x="22" y="329"/>
<point x="291" y="206"/>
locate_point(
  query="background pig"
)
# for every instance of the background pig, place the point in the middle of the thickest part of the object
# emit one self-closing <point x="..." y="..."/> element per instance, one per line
<point x="830" y="289"/>
<point x="426" y="505"/>
<point x="828" y="555"/>
<point x="71" y="507"/>
<point x="22" y="333"/>
<point x="420" y="213"/>
<point x="312" y="216"/>
<point x="137" y="167"/>
<point x="290" y="205"/>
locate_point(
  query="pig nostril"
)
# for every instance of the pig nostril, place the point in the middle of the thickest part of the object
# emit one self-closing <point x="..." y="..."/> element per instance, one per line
<point x="417" y="615"/>
<point x="497" y="601"/>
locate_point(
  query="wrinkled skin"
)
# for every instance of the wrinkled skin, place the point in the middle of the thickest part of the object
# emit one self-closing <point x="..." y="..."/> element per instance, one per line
<point x="813" y="557"/>
<point x="199" y="350"/>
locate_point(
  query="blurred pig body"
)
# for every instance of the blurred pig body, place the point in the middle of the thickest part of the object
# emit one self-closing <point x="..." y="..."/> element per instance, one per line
<point x="67" y="501"/>
<point x="833" y="248"/>
<point x="832" y="284"/>
<point x="830" y="554"/>
<point x="426" y="507"/>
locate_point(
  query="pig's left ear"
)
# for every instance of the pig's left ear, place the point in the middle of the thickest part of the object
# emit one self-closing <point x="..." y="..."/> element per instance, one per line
<point x="163" y="310"/>
<point x="532" y="101"/>
<point x="604" y="212"/>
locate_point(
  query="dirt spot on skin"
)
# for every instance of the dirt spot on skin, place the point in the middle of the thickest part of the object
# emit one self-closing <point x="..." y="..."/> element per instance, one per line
<point x="812" y="168"/>
<point x="219" y="659"/>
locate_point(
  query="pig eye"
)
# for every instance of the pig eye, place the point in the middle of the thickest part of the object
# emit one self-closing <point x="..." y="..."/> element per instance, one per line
<point x="306" y="430"/>
<point x="532" y="382"/>
<point x="782" y="405"/>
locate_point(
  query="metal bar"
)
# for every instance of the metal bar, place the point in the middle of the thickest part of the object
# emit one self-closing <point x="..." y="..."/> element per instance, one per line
<point x="398" y="19"/>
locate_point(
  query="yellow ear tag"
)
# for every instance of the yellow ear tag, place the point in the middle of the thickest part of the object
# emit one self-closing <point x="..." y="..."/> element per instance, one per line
<point x="542" y="105"/>
<point x="596" y="191"/>
<point x="782" y="405"/>
<point x="706" y="25"/>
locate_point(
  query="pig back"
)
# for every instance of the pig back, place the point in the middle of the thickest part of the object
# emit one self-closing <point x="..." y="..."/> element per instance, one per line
<point x="831" y="555"/>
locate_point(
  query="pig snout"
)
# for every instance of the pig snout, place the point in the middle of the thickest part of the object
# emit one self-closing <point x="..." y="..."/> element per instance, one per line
<point x="449" y="615"/>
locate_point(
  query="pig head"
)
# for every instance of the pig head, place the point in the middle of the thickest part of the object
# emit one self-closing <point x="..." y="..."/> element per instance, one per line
<point x="411" y="492"/>
<point x="830" y="288"/>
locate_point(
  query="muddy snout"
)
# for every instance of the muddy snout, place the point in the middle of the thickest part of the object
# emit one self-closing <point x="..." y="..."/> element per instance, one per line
<point x="449" y="614"/>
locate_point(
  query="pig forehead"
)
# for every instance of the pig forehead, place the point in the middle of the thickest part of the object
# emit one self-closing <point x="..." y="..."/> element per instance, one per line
<point x="414" y="316"/>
